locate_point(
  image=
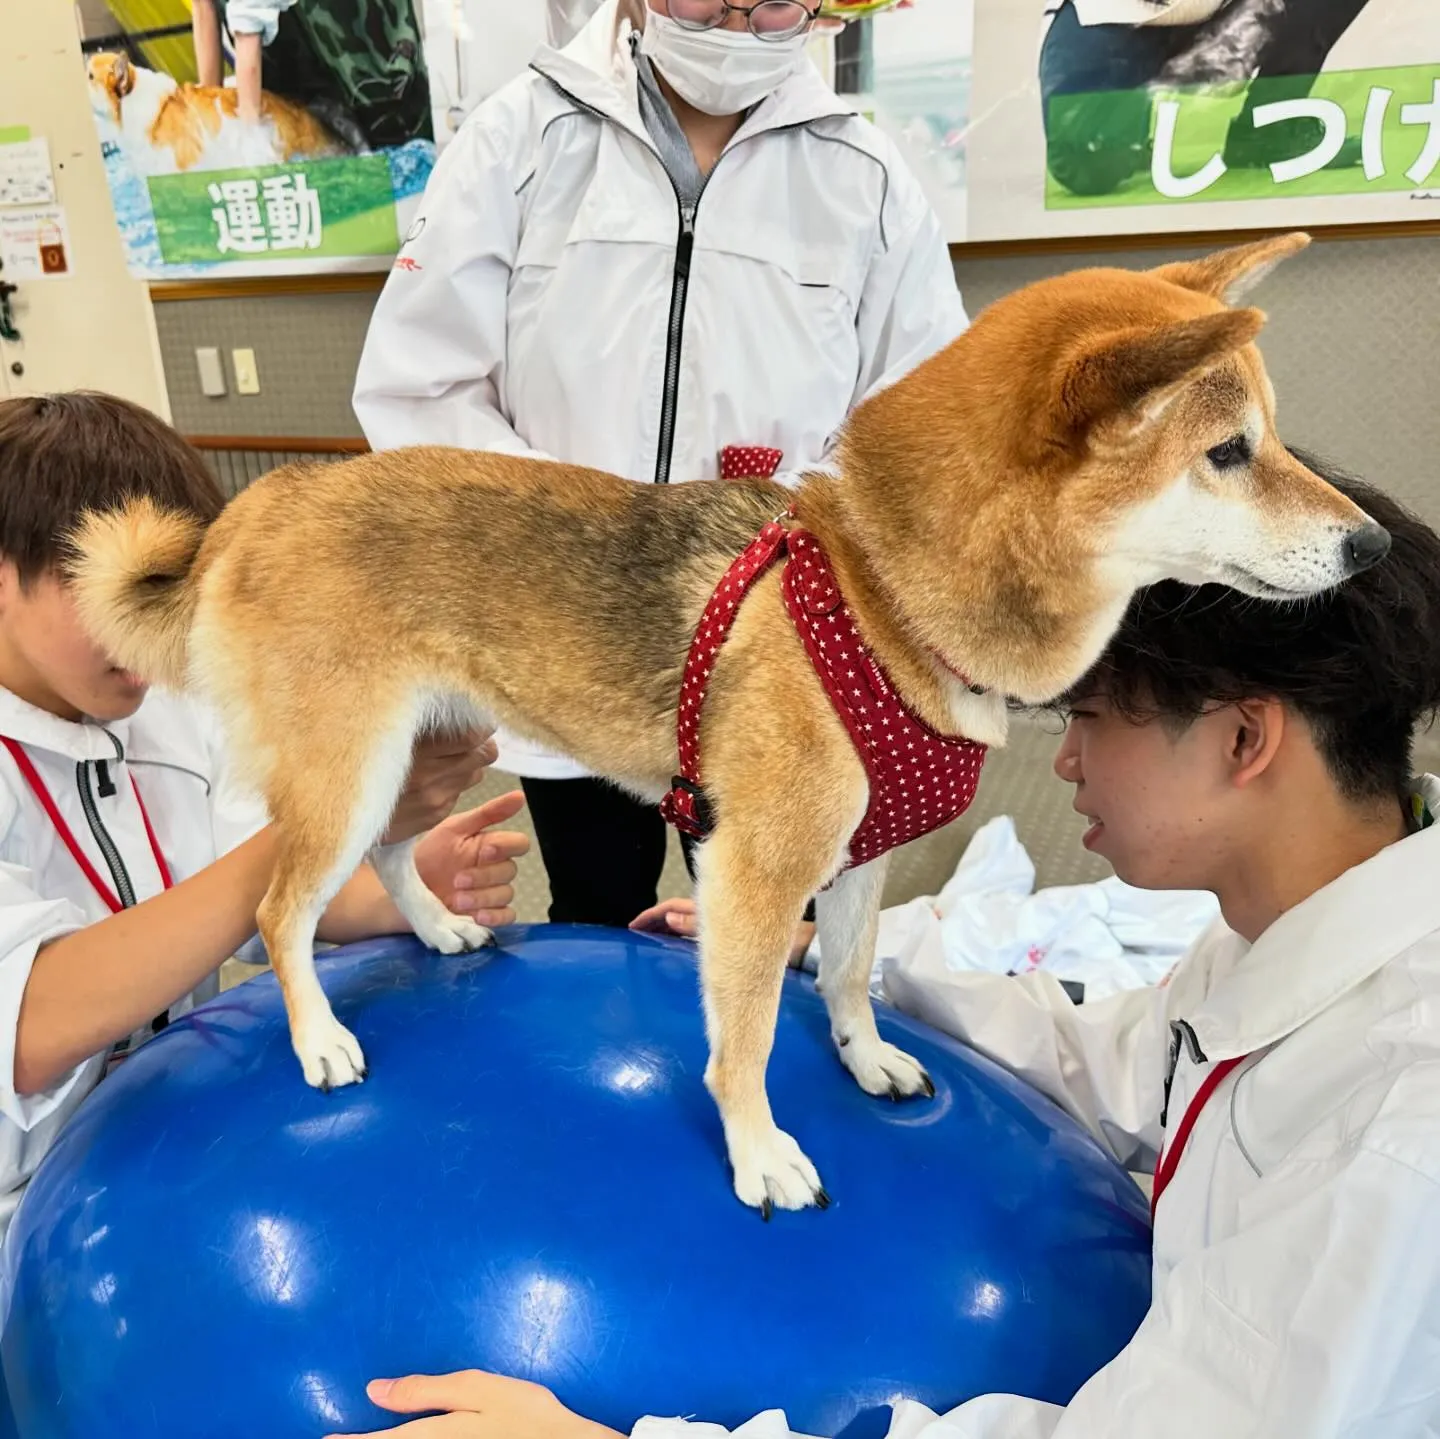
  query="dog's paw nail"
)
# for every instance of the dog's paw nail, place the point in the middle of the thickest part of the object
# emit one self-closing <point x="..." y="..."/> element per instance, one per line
<point x="767" y="1208"/>
<point x="929" y="1087"/>
<point x="895" y="1095"/>
<point x="822" y="1199"/>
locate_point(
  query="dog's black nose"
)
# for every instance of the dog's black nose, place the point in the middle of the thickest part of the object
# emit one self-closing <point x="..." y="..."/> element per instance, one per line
<point x="1367" y="546"/>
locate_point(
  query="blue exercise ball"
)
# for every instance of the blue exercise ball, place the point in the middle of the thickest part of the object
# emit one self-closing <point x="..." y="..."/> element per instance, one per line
<point x="533" y="1180"/>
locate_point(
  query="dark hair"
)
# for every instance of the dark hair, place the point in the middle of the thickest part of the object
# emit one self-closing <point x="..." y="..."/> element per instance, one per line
<point x="1360" y="664"/>
<point x="61" y="455"/>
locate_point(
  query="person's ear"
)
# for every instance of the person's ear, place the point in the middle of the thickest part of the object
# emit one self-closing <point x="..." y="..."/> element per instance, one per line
<point x="1254" y="738"/>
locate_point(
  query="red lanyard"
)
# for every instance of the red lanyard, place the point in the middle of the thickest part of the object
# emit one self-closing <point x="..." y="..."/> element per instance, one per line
<point x="47" y="801"/>
<point x="1170" y="1158"/>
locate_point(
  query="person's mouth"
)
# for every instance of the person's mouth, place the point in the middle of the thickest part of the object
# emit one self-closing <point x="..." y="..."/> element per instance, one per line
<point x="1095" y="827"/>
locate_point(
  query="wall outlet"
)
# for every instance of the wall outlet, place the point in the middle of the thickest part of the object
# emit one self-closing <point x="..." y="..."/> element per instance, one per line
<point x="247" y="377"/>
<point x="212" y="373"/>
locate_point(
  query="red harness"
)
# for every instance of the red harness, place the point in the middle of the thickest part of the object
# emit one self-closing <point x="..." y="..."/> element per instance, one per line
<point x="919" y="779"/>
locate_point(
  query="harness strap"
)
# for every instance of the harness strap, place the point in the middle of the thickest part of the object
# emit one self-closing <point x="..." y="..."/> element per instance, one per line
<point x="686" y="806"/>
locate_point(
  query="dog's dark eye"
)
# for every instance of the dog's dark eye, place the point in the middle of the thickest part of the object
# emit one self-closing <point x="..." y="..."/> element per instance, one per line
<point x="1231" y="453"/>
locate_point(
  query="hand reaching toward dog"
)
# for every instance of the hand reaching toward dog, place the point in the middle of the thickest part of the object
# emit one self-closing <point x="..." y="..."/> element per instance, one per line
<point x="682" y="917"/>
<point x="473" y="1405"/>
<point x="469" y="866"/>
<point x="670" y="916"/>
<point x="442" y="768"/>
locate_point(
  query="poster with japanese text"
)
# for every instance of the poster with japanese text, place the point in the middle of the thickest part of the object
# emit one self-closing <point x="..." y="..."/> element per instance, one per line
<point x="270" y="137"/>
<point x="259" y="137"/>
<point x="1116" y="117"/>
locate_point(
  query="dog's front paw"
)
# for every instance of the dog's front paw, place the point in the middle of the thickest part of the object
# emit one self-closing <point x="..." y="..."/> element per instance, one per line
<point x="772" y="1172"/>
<point x="453" y="933"/>
<point x="884" y="1071"/>
<point x="329" y="1054"/>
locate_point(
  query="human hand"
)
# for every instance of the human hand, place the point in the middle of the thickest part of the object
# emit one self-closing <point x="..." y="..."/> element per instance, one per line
<point x="473" y="1405"/>
<point x="469" y="866"/>
<point x="670" y="916"/>
<point x="442" y="768"/>
<point x="682" y="917"/>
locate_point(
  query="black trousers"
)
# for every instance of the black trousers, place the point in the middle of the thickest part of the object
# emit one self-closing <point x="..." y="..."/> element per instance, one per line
<point x="603" y="851"/>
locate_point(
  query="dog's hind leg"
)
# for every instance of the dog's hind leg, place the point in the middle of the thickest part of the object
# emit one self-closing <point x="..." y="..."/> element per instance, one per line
<point x="331" y="790"/>
<point x="749" y="909"/>
<point x="847" y="916"/>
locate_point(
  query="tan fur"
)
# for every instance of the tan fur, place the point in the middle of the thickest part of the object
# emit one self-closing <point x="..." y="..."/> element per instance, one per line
<point x="112" y="76"/>
<point x="997" y="509"/>
<point x="135" y="563"/>
<point x="192" y="114"/>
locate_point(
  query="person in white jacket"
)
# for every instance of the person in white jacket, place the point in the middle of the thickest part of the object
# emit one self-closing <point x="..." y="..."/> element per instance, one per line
<point x="668" y="239"/>
<point x="131" y="861"/>
<point x="1284" y="1085"/>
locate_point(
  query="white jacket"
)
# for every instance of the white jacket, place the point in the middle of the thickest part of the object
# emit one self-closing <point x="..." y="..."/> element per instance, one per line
<point x="174" y="755"/>
<point x="1297" y="1249"/>
<point x="541" y="307"/>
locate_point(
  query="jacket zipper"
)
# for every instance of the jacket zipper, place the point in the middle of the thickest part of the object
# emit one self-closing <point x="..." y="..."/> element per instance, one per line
<point x="124" y="887"/>
<point x="680" y="280"/>
<point x="679" y="291"/>
<point x="1180" y="1032"/>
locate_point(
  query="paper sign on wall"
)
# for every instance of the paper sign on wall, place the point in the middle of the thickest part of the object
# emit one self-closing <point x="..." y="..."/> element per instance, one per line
<point x="35" y="243"/>
<point x="25" y="174"/>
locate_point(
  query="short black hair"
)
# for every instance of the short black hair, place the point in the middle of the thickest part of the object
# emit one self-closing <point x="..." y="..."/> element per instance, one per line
<point x="1360" y="664"/>
<point x="61" y="455"/>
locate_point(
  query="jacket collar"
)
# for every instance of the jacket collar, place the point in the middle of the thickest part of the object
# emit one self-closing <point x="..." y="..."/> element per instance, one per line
<point x="597" y="71"/>
<point x="1316" y="953"/>
<point x="38" y="730"/>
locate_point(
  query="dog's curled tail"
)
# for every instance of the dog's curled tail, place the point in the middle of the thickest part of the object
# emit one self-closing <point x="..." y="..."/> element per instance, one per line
<point x="130" y="573"/>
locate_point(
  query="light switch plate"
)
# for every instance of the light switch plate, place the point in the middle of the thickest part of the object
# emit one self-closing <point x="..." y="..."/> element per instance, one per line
<point x="212" y="373"/>
<point x="247" y="377"/>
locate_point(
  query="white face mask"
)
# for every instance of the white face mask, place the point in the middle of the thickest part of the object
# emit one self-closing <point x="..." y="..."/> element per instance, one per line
<point x="721" y="72"/>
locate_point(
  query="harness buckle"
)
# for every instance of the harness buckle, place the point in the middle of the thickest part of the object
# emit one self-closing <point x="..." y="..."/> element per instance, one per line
<point x="696" y="817"/>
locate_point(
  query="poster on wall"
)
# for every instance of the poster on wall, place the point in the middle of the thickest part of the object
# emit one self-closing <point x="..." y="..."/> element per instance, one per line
<point x="267" y="137"/>
<point x="1115" y="117"/>
<point x="259" y="137"/>
<point x="272" y="137"/>
<point x="907" y="67"/>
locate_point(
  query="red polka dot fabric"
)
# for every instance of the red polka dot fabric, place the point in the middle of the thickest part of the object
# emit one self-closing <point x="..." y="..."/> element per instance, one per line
<point x="685" y="806"/>
<point x="919" y="779"/>
<point x="748" y="462"/>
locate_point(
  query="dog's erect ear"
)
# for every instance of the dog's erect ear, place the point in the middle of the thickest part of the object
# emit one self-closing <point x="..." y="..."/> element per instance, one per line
<point x="124" y="76"/>
<point x="1230" y="275"/>
<point x="1123" y="382"/>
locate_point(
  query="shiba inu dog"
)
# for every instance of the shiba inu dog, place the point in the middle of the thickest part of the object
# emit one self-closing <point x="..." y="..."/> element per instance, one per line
<point x="168" y="127"/>
<point x="994" y="512"/>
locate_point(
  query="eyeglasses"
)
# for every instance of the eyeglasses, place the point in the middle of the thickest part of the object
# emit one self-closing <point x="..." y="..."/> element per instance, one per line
<point x="769" y="20"/>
